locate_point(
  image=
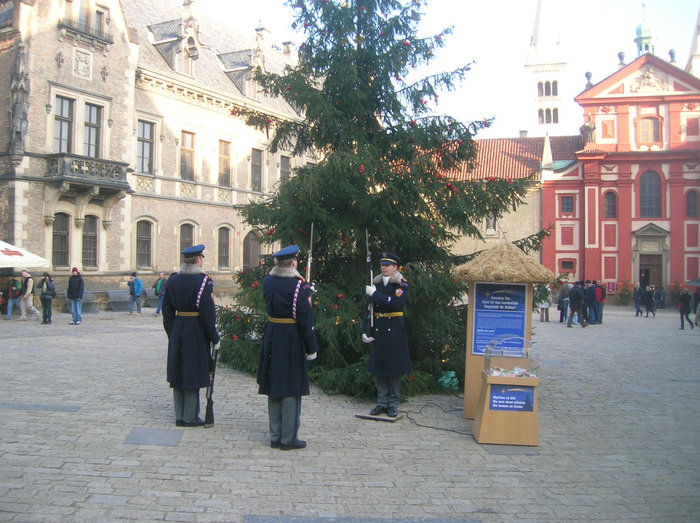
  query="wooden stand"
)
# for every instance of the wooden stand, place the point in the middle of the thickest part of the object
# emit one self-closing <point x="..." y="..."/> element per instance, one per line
<point x="506" y="427"/>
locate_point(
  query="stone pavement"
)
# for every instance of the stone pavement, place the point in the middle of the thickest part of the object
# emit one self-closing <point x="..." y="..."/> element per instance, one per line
<point x="87" y="434"/>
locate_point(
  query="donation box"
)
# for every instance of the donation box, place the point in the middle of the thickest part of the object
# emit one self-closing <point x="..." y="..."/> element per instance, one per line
<point x="507" y="407"/>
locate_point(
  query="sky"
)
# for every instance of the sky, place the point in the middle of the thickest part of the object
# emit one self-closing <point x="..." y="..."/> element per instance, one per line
<point x="495" y="36"/>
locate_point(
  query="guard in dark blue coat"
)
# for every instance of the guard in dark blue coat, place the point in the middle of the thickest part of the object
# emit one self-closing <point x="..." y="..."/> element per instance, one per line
<point x="389" y="357"/>
<point x="289" y="342"/>
<point x="189" y="318"/>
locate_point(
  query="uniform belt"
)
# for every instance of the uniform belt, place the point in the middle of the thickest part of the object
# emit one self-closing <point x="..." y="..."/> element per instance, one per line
<point x="187" y="314"/>
<point x="387" y="314"/>
<point x="281" y="320"/>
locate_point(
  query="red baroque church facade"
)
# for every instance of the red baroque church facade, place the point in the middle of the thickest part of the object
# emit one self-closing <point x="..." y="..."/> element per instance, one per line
<point x="627" y="208"/>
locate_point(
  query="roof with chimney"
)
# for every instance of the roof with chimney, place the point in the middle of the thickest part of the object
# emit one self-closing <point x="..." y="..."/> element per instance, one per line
<point x="225" y="56"/>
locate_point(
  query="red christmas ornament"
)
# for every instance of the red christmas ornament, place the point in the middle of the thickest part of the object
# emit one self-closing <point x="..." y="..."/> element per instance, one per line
<point x="361" y="169"/>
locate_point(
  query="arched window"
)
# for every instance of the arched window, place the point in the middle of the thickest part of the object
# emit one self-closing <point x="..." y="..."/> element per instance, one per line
<point x="555" y="88"/>
<point x="547" y="89"/>
<point x="650" y="195"/>
<point x="251" y="250"/>
<point x="186" y="236"/>
<point x="691" y="204"/>
<point x="224" y="248"/>
<point x="610" y="200"/>
<point x="540" y="116"/>
<point x="90" y="242"/>
<point x="540" y="89"/>
<point x="548" y="116"/>
<point x="555" y="115"/>
<point x="60" y="252"/>
<point x="144" y="239"/>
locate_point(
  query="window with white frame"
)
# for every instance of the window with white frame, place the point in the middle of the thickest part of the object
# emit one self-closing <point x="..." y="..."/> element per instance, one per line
<point x="224" y="163"/>
<point x="90" y="241"/>
<point x="224" y="248"/>
<point x="79" y="123"/>
<point x="186" y="236"/>
<point x="650" y="195"/>
<point x="256" y="167"/>
<point x="63" y="125"/>
<point x="144" y="239"/>
<point x="92" y="130"/>
<point x="60" y="248"/>
<point x="285" y="168"/>
<point x="145" y="147"/>
<point x="187" y="156"/>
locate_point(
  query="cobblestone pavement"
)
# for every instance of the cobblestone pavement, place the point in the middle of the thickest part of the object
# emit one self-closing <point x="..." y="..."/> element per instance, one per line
<point x="87" y="434"/>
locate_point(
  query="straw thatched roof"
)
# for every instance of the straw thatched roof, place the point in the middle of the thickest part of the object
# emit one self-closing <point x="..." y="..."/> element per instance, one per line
<point x="504" y="263"/>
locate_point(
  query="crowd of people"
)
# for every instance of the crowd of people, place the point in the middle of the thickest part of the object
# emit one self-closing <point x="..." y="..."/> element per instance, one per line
<point x="21" y="292"/>
<point x="583" y="301"/>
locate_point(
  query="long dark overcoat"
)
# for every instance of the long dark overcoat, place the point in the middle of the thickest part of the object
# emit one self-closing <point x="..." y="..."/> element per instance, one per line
<point x="389" y="355"/>
<point x="189" y="337"/>
<point x="283" y="370"/>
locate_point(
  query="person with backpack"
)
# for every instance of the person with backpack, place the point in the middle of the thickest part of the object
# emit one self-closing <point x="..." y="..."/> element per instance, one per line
<point x="13" y="297"/>
<point x="48" y="293"/>
<point x="27" y="298"/>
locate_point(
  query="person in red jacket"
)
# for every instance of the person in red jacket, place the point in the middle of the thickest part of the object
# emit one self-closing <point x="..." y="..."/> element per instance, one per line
<point x="600" y="295"/>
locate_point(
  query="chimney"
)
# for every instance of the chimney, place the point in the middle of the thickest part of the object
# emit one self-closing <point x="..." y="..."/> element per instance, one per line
<point x="287" y="48"/>
<point x="260" y="33"/>
<point x="523" y="134"/>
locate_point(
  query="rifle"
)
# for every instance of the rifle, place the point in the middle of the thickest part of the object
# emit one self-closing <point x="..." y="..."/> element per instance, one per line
<point x="310" y="259"/>
<point x="371" y="280"/>
<point x="209" y="417"/>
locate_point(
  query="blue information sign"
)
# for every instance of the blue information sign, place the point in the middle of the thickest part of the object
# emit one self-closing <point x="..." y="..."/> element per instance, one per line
<point x="499" y="314"/>
<point x="511" y="397"/>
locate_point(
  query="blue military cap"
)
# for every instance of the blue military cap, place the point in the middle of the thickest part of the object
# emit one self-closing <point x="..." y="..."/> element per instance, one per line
<point x="195" y="250"/>
<point x="389" y="258"/>
<point x="287" y="252"/>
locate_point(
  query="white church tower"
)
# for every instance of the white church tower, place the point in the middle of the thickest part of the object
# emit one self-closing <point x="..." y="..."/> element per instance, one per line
<point x="548" y="96"/>
<point x="693" y="66"/>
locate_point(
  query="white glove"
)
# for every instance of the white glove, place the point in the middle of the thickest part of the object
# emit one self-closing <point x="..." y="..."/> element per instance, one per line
<point x="367" y="339"/>
<point x="369" y="289"/>
<point x="311" y="356"/>
<point x="216" y="346"/>
<point x="312" y="288"/>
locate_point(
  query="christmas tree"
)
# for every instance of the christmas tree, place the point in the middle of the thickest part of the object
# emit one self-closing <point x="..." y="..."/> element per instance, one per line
<point x="385" y="156"/>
